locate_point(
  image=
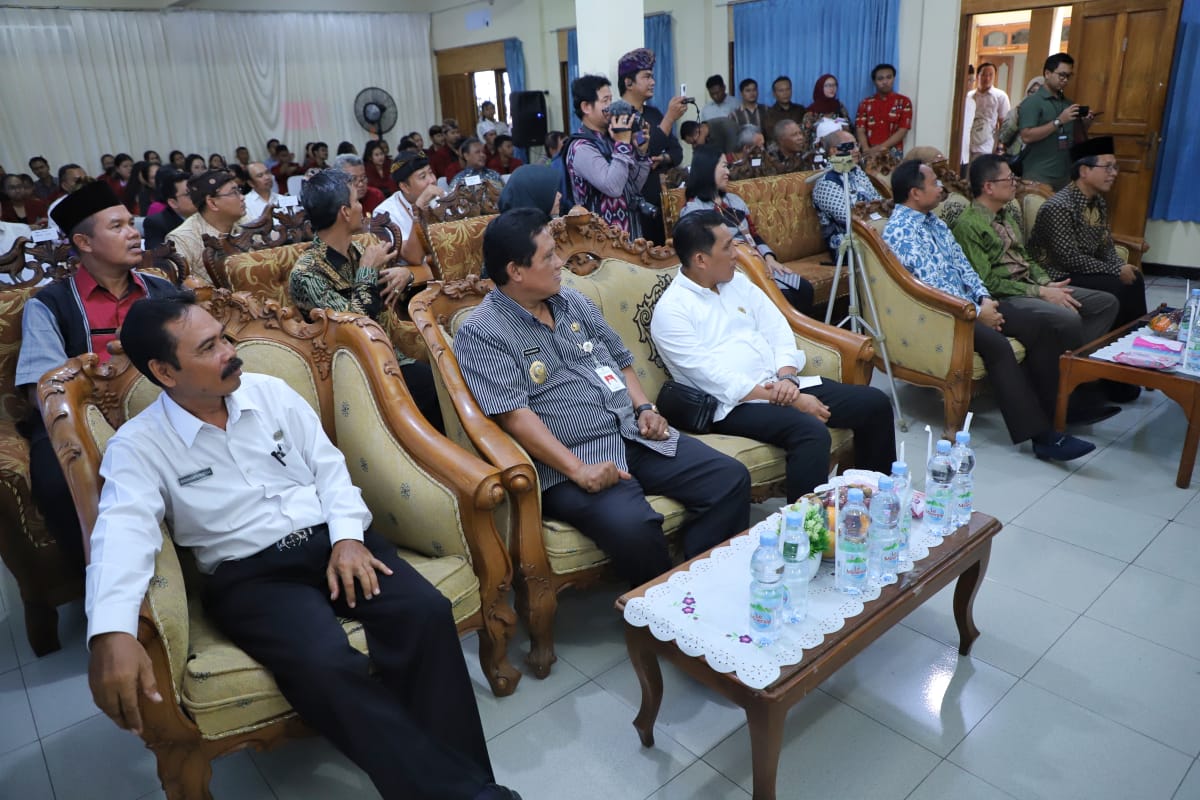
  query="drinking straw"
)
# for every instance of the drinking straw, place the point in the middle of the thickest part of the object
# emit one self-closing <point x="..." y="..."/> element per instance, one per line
<point x="928" y="444"/>
<point x="967" y="421"/>
<point x="902" y="452"/>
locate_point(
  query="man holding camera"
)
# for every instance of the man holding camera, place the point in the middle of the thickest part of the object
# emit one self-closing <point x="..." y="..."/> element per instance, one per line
<point x="635" y="74"/>
<point x="1050" y="124"/>
<point x="606" y="169"/>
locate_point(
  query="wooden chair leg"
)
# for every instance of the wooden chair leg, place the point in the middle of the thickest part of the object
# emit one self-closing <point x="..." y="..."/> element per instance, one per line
<point x="956" y="397"/>
<point x="41" y="626"/>
<point x="185" y="770"/>
<point x="499" y="621"/>
<point x="537" y="604"/>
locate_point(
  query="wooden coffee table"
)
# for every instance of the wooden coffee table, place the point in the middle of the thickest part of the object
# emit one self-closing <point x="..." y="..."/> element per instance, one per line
<point x="962" y="556"/>
<point x="1078" y="366"/>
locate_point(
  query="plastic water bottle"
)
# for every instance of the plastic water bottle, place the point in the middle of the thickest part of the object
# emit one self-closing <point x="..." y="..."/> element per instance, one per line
<point x="902" y="486"/>
<point x="1191" y="337"/>
<point x="852" y="553"/>
<point x="884" y="535"/>
<point x="766" y="589"/>
<point x="963" y="459"/>
<point x="938" y="488"/>
<point x="1185" y="319"/>
<point x="795" y="566"/>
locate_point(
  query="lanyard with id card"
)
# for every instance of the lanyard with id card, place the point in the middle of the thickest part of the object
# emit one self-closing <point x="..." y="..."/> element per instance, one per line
<point x="603" y="371"/>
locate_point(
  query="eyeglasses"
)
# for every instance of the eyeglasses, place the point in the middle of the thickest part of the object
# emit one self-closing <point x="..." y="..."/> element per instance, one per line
<point x="1112" y="168"/>
<point x="359" y="181"/>
<point x="234" y="193"/>
<point x="1065" y="76"/>
<point x="1013" y="179"/>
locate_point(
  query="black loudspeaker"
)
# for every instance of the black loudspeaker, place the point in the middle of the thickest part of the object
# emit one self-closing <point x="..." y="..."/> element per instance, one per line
<point x="529" y="118"/>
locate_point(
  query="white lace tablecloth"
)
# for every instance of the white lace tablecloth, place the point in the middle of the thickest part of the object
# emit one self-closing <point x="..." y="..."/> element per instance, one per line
<point x="705" y="609"/>
<point x="1125" y="345"/>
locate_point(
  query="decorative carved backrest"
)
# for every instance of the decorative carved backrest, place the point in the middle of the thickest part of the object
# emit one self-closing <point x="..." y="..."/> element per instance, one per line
<point x="754" y="164"/>
<point x="12" y="263"/>
<point x="265" y="273"/>
<point x="951" y="180"/>
<point x="457" y="247"/>
<point x="583" y="241"/>
<point x="13" y="296"/>
<point x="261" y="232"/>
<point x="164" y="262"/>
<point x="295" y="225"/>
<point x="673" y="178"/>
<point x="54" y="258"/>
<point x="463" y="201"/>
<point x="783" y="213"/>
<point x="874" y="213"/>
<point x="879" y="168"/>
<point x="382" y="228"/>
<point x="673" y="201"/>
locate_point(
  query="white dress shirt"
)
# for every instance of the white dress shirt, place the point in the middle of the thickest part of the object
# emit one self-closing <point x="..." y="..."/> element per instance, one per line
<point x="255" y="205"/>
<point x="401" y="212"/>
<point x="221" y="492"/>
<point x="723" y="343"/>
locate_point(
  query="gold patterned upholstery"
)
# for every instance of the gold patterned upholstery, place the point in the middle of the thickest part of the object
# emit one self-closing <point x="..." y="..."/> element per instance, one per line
<point x="434" y="502"/>
<point x="551" y="555"/>
<point x="28" y="549"/>
<point x="783" y="213"/>
<point x="457" y="247"/>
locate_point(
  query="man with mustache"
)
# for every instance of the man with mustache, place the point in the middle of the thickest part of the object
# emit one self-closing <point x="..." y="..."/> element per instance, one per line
<point x="241" y="470"/>
<point x="79" y="315"/>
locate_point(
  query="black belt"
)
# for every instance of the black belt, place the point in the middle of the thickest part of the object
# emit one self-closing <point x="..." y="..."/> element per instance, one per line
<point x="297" y="538"/>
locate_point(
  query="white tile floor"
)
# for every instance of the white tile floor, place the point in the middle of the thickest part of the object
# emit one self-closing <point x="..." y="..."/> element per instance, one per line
<point x="1085" y="681"/>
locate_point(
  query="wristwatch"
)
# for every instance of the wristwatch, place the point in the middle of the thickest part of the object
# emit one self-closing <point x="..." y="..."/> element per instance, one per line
<point x="1057" y="122"/>
<point x="637" y="412"/>
<point x="795" y="379"/>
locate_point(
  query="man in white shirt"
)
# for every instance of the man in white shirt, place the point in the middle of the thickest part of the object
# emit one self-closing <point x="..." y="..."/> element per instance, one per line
<point x="719" y="333"/>
<point x="243" y="474"/>
<point x="262" y="194"/>
<point x="418" y="188"/>
<point x="991" y="107"/>
<point x="489" y="123"/>
<point x="721" y="104"/>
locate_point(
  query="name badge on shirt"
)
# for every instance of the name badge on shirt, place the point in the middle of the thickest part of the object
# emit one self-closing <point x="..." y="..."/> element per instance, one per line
<point x="195" y="477"/>
<point x="44" y="235"/>
<point x="610" y="379"/>
<point x="287" y="201"/>
<point x="756" y="162"/>
<point x="472" y="180"/>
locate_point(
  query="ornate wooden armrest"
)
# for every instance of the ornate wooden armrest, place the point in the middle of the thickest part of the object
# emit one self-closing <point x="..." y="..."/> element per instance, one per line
<point x="963" y="310"/>
<point x="1133" y="245"/>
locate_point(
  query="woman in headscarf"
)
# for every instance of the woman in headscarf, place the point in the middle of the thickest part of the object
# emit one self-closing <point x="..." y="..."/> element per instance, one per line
<point x="825" y="105"/>
<point x="532" y="186"/>
<point x="1008" y="137"/>
<point x="707" y="188"/>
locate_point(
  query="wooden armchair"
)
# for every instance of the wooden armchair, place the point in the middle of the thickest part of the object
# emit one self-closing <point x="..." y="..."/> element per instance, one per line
<point x="456" y="248"/>
<point x="164" y="262"/>
<point x="29" y="551"/>
<point x="455" y="223"/>
<point x="428" y="497"/>
<point x="625" y="279"/>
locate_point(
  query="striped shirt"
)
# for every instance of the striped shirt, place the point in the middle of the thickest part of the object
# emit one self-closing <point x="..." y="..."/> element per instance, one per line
<point x="511" y="360"/>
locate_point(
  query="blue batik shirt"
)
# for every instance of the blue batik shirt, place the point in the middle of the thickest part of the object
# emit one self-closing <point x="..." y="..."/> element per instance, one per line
<point x="927" y="249"/>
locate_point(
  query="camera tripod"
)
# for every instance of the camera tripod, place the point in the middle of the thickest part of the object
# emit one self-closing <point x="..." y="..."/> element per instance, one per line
<point x="849" y="258"/>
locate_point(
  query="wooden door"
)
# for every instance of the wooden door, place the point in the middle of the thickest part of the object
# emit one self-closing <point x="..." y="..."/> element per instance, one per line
<point x="1123" y="51"/>
<point x="458" y="100"/>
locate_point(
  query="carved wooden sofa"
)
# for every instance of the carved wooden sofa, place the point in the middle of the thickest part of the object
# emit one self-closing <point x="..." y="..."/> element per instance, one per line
<point x="783" y="213"/>
<point x="448" y="229"/>
<point x="434" y="501"/>
<point x="29" y="551"/>
<point x="624" y="280"/>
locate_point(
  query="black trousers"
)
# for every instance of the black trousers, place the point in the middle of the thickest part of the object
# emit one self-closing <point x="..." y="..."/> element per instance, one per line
<point x="1026" y="393"/>
<point x="418" y="376"/>
<point x="412" y="725"/>
<point x="714" y="487"/>
<point x="52" y="496"/>
<point x="1131" y="298"/>
<point x="806" y="439"/>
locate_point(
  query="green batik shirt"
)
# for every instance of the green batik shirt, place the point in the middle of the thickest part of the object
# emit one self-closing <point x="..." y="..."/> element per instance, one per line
<point x="992" y="243"/>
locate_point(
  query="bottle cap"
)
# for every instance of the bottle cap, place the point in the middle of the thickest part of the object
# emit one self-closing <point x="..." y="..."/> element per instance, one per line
<point x="1195" y="292"/>
<point x="768" y="536"/>
<point x="899" y="468"/>
<point x="962" y="437"/>
<point x="886" y="484"/>
<point x="943" y="446"/>
<point x="854" y="496"/>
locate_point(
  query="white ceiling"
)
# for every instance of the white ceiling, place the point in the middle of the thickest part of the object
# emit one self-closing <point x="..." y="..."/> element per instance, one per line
<point x="419" y="6"/>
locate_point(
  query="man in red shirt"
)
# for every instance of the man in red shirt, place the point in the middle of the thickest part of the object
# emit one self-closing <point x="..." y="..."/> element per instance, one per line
<point x="441" y="155"/>
<point x="884" y="118"/>
<point x="285" y="169"/>
<point x="368" y="195"/>
<point x="78" y="315"/>
<point x="504" y="161"/>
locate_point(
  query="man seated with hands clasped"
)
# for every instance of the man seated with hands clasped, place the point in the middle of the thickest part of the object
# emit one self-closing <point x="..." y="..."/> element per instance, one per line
<point x="540" y="359"/>
<point x="241" y="471"/>
<point x="719" y="333"/>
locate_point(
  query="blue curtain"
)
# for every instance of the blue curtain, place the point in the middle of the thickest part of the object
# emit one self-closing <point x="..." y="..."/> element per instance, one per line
<point x="658" y="38"/>
<point x="572" y="122"/>
<point x="514" y="65"/>
<point x="805" y="40"/>
<point x="1178" y="172"/>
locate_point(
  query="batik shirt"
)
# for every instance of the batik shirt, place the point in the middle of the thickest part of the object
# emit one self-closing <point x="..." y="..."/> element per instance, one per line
<point x="830" y="199"/>
<point x="1071" y="235"/>
<point x="927" y="249"/>
<point x="882" y="115"/>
